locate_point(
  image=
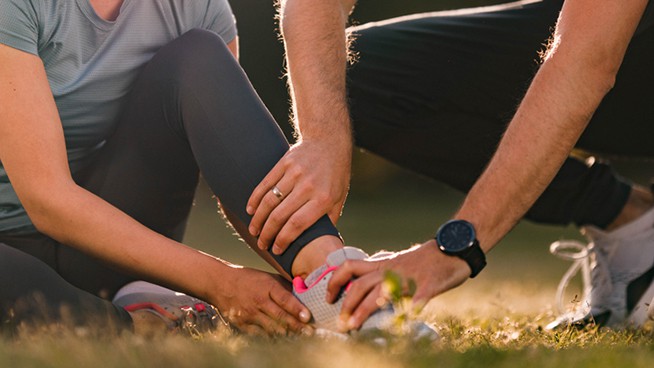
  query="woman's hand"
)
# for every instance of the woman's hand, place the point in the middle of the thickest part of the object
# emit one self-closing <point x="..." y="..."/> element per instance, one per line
<point x="259" y="303"/>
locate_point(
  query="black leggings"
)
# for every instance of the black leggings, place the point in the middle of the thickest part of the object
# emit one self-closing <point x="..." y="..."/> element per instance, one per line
<point x="433" y="93"/>
<point x="192" y="109"/>
<point x="33" y="292"/>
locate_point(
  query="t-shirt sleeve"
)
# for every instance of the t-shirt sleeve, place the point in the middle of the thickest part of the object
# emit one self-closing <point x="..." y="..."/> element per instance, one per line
<point x="220" y="19"/>
<point x="19" y="25"/>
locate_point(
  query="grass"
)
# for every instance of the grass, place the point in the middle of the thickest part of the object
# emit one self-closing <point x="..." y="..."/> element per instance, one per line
<point x="495" y="320"/>
<point x="503" y="340"/>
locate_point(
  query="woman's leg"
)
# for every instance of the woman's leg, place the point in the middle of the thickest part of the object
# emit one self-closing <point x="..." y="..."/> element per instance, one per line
<point x="434" y="93"/>
<point x="192" y="109"/>
<point x="32" y="292"/>
<point x="75" y="267"/>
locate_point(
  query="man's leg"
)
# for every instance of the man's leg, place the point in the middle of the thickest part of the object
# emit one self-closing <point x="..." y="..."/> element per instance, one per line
<point x="434" y="93"/>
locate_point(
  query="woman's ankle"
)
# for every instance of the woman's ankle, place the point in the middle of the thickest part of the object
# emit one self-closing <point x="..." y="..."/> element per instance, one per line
<point x="314" y="254"/>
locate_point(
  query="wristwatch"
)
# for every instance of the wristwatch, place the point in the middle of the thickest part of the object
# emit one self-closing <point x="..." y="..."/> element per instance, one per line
<point x="457" y="238"/>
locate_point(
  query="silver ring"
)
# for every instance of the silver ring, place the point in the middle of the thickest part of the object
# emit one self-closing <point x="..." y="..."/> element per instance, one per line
<point x="277" y="192"/>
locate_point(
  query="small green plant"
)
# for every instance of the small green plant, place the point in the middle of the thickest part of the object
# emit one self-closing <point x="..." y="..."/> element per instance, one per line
<point x="400" y="294"/>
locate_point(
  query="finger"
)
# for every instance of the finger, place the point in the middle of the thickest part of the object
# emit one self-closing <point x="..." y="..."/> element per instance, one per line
<point x="296" y="224"/>
<point x="266" y="324"/>
<point x="280" y="321"/>
<point x="264" y="186"/>
<point x="283" y="318"/>
<point x="268" y="204"/>
<point x="347" y="271"/>
<point x="253" y="330"/>
<point x="278" y="218"/>
<point x="357" y="293"/>
<point x="291" y="305"/>
<point x="372" y="302"/>
<point x="246" y="322"/>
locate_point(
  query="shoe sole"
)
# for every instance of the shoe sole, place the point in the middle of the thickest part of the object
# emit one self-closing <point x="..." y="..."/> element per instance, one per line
<point x="641" y="313"/>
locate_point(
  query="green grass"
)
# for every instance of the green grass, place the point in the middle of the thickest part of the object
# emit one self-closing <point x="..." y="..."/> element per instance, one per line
<point x="495" y="320"/>
<point x="503" y="340"/>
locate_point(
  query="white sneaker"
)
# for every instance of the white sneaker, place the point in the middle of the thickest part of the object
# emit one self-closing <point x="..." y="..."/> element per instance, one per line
<point x="312" y="293"/>
<point x="179" y="311"/>
<point x="618" y="274"/>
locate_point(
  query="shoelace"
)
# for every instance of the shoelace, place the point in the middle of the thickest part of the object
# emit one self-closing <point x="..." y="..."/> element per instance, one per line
<point x="579" y="254"/>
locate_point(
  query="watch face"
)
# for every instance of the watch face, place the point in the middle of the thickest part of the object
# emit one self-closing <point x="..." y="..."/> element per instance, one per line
<point x="455" y="236"/>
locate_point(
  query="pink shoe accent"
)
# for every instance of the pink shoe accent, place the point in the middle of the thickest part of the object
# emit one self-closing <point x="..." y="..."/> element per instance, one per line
<point x="299" y="285"/>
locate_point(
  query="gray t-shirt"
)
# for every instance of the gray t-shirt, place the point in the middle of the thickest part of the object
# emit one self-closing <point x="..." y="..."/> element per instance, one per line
<point x="92" y="63"/>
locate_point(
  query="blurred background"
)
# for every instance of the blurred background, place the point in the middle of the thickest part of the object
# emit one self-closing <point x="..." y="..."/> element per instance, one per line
<point x="389" y="207"/>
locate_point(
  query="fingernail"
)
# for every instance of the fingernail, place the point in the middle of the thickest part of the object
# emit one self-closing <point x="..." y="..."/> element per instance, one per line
<point x="249" y="210"/>
<point x="305" y="316"/>
<point x="252" y="230"/>
<point x="342" y="323"/>
<point x="307" y="331"/>
<point x="276" y="250"/>
<point x="351" y="323"/>
<point x="261" y="245"/>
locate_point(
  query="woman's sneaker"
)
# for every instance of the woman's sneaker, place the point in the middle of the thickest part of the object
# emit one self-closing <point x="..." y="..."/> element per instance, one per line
<point x="313" y="290"/>
<point x="618" y="272"/>
<point x="179" y="311"/>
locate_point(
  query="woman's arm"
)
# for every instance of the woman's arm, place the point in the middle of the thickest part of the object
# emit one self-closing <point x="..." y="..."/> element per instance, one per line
<point x="32" y="150"/>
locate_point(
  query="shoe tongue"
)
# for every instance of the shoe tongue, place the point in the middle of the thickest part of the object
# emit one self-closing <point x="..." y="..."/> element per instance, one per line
<point x="335" y="258"/>
<point x="338" y="257"/>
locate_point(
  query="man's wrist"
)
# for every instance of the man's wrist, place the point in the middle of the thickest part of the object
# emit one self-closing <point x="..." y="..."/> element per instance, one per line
<point x="341" y="134"/>
<point x="337" y="142"/>
<point x="458" y="238"/>
<point x="431" y="246"/>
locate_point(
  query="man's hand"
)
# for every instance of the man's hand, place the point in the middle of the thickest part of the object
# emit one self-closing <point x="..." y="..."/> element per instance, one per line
<point x="313" y="179"/>
<point x="263" y="304"/>
<point x="432" y="271"/>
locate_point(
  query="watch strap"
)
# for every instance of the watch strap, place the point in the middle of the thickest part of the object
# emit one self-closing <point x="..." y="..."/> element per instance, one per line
<point x="475" y="258"/>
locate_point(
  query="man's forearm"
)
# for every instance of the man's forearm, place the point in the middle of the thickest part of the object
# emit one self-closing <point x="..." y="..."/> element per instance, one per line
<point x="579" y="71"/>
<point x="316" y="52"/>
<point x="314" y="175"/>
